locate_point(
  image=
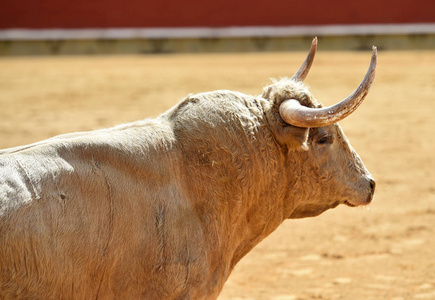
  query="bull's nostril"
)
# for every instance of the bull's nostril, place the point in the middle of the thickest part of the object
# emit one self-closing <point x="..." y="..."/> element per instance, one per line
<point x="372" y="184"/>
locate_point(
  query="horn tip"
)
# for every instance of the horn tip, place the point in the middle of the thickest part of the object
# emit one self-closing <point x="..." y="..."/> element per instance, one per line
<point x="314" y="45"/>
<point x="374" y="51"/>
<point x="374" y="55"/>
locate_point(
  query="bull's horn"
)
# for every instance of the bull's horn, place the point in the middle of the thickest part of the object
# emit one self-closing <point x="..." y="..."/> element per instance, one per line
<point x="305" y="68"/>
<point x="295" y="114"/>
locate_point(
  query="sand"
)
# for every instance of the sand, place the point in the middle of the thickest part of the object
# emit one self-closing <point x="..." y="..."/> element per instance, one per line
<point x="385" y="251"/>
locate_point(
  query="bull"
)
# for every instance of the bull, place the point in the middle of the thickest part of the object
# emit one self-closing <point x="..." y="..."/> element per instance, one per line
<point x="164" y="208"/>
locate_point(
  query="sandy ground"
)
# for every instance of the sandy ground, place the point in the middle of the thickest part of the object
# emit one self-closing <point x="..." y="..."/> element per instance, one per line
<point x="386" y="251"/>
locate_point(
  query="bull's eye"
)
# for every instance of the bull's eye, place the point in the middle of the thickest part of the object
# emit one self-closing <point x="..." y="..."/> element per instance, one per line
<point x="323" y="140"/>
<point x="327" y="139"/>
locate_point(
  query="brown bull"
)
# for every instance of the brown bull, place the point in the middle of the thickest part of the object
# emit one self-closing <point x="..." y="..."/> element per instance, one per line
<point x="164" y="208"/>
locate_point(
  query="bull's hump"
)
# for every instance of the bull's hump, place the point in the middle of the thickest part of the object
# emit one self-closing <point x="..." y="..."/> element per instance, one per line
<point x="221" y="106"/>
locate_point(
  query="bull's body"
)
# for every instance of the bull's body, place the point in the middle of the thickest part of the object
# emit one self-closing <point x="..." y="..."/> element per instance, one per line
<point x="164" y="208"/>
<point x="139" y="210"/>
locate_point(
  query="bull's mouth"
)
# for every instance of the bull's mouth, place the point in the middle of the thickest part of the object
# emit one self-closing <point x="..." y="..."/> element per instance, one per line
<point x="366" y="203"/>
<point x="349" y="204"/>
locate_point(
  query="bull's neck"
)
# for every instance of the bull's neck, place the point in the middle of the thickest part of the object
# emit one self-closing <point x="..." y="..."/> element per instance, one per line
<point x="238" y="203"/>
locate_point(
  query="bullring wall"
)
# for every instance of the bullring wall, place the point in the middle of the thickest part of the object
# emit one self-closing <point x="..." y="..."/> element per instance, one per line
<point x="167" y="26"/>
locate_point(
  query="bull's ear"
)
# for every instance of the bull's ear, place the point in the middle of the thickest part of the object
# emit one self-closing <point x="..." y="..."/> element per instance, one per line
<point x="291" y="136"/>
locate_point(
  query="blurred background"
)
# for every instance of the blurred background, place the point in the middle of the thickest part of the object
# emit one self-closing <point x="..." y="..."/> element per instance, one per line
<point x="168" y="26"/>
<point x="56" y="76"/>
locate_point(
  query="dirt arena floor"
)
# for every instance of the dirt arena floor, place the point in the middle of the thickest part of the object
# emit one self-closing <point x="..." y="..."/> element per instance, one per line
<point x="385" y="251"/>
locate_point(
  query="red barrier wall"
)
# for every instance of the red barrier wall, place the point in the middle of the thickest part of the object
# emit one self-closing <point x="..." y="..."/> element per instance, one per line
<point x="202" y="13"/>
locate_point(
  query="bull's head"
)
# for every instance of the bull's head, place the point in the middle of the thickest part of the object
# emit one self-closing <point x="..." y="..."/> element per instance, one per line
<point x="331" y="172"/>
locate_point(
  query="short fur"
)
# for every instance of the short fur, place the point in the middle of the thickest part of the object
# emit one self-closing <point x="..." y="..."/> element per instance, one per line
<point x="164" y="208"/>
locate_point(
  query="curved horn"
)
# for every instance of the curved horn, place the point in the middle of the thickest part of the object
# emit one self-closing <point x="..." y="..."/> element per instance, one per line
<point x="305" y="68"/>
<point x="295" y="114"/>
